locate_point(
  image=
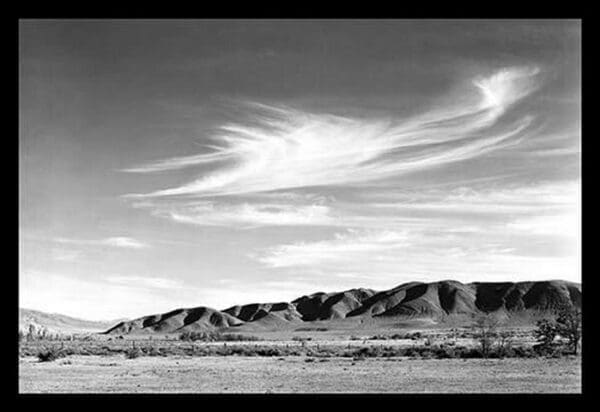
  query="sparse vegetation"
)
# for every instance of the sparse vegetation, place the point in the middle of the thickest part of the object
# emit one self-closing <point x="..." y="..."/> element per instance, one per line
<point x="51" y="354"/>
<point x="545" y="334"/>
<point x="310" y="329"/>
<point x="216" y="337"/>
<point x="485" y="332"/>
<point x="501" y="347"/>
<point x="301" y="339"/>
<point x="396" y="336"/>
<point x="567" y="325"/>
<point x="133" y="353"/>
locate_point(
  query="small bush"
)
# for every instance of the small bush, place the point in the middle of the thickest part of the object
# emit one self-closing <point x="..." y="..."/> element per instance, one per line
<point x="444" y="352"/>
<point x="311" y="329"/>
<point x="485" y="331"/>
<point x="49" y="355"/>
<point x="133" y="353"/>
<point x="152" y="351"/>
<point x="523" y="352"/>
<point x="299" y="339"/>
<point x="216" y="337"/>
<point x="269" y="352"/>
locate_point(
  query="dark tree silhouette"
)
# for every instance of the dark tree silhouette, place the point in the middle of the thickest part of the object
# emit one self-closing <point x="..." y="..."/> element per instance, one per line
<point x="568" y="326"/>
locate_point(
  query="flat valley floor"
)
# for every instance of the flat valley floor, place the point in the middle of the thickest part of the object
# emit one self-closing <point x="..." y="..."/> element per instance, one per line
<point x="298" y="374"/>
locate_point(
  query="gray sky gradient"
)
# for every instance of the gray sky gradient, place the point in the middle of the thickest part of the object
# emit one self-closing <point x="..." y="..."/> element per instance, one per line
<point x="167" y="164"/>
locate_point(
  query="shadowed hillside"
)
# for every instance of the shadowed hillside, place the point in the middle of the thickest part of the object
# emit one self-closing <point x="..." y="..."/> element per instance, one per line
<point x="410" y="300"/>
<point x="179" y="320"/>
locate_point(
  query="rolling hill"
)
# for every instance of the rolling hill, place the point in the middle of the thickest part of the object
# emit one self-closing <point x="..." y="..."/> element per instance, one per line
<point x="414" y="300"/>
<point x="38" y="322"/>
<point x="194" y="319"/>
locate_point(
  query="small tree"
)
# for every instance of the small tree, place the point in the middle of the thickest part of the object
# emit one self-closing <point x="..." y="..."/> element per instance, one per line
<point x="505" y="341"/>
<point x="545" y="334"/>
<point x="568" y="325"/>
<point x="485" y="332"/>
<point x="31" y="334"/>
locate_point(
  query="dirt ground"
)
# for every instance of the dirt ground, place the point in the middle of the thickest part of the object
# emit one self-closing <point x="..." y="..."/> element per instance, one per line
<point x="237" y="374"/>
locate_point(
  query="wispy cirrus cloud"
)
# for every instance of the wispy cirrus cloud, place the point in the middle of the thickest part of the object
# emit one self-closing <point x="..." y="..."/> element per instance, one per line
<point x="149" y="282"/>
<point x="65" y="255"/>
<point x="421" y="255"/>
<point x="285" y="148"/>
<point x="247" y="215"/>
<point x="353" y="242"/>
<point x="533" y="199"/>
<point x="118" y="242"/>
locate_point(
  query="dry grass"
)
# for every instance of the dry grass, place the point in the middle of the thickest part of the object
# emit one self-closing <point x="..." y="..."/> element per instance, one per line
<point x="93" y="374"/>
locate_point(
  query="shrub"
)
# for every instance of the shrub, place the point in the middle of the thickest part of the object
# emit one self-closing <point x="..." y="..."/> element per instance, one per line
<point x="49" y="355"/>
<point x="215" y="337"/>
<point x="504" y="346"/>
<point x="485" y="332"/>
<point x="545" y="333"/>
<point x="311" y="329"/>
<point x="401" y="336"/>
<point x="229" y="337"/>
<point x="469" y="353"/>
<point x="568" y="325"/>
<point x="269" y="352"/>
<point x="133" y="353"/>
<point x="444" y="352"/>
<point x="151" y="351"/>
<point x="523" y="352"/>
<point x="299" y="339"/>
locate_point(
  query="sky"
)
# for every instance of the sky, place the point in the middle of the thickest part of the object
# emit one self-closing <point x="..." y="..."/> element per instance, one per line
<point x="181" y="163"/>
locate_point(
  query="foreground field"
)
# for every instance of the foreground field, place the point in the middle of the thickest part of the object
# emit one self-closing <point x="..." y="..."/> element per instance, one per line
<point x="238" y="374"/>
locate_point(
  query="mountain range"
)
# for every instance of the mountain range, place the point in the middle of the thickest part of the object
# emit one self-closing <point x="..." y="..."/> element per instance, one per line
<point x="413" y="300"/>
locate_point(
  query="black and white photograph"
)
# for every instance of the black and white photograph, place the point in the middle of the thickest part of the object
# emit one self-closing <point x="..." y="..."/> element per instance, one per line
<point x="299" y="206"/>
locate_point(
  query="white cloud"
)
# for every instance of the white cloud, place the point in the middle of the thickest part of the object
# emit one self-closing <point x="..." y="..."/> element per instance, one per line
<point x="365" y="244"/>
<point x="524" y="199"/>
<point x="292" y="149"/>
<point x="119" y="242"/>
<point x="143" y="281"/>
<point x="418" y="257"/>
<point x="124" y="242"/>
<point x="566" y="225"/>
<point x="247" y="215"/>
<point x="65" y="255"/>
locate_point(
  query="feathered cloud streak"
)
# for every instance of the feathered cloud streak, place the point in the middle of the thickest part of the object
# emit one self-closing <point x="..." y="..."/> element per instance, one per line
<point x="118" y="241"/>
<point x="285" y="148"/>
<point x="486" y="227"/>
